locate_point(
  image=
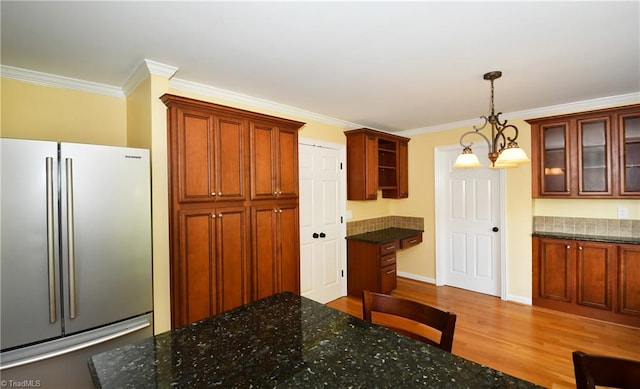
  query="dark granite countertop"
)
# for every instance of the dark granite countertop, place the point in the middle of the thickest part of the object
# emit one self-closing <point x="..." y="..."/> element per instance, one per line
<point x="385" y="235"/>
<point x="288" y="341"/>
<point x="591" y="238"/>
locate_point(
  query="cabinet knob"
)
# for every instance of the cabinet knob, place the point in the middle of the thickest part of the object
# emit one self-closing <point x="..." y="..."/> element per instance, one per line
<point x="568" y="246"/>
<point x="495" y="229"/>
<point x="213" y="193"/>
<point x="323" y="235"/>
<point x="315" y="235"/>
<point x="219" y="215"/>
<point x="579" y="247"/>
<point x="213" y="215"/>
<point x="219" y="193"/>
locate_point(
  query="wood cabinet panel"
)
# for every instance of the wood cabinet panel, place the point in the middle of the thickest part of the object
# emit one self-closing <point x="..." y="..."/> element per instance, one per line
<point x="555" y="270"/>
<point x="403" y="170"/>
<point x="233" y="271"/>
<point x="276" y="248"/>
<point x="629" y="280"/>
<point x="195" y="151"/>
<point x="595" y="266"/>
<point x="197" y="267"/>
<point x="230" y="159"/>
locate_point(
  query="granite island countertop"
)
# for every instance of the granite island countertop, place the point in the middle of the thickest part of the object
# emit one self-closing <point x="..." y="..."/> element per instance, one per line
<point x="591" y="238"/>
<point x="288" y="341"/>
<point x="385" y="235"/>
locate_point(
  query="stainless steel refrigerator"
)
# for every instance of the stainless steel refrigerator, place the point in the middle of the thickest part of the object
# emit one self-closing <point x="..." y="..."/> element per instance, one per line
<point x="75" y="257"/>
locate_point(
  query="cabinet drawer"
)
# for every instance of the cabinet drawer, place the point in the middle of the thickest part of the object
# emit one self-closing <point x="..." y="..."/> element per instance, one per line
<point x="411" y="241"/>
<point x="387" y="260"/>
<point x="389" y="248"/>
<point x="388" y="278"/>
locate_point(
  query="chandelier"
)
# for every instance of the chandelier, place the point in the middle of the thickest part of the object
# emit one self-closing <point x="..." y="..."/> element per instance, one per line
<point x="503" y="149"/>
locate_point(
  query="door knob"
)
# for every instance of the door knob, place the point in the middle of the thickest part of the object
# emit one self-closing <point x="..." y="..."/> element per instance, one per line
<point x="495" y="229"/>
<point x="315" y="235"/>
<point x="322" y="235"/>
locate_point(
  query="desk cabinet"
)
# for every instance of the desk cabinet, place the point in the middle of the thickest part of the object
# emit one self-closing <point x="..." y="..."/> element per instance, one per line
<point x="593" y="279"/>
<point x="371" y="266"/>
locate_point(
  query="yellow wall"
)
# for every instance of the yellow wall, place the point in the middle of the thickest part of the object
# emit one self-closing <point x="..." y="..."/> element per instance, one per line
<point x="592" y="208"/>
<point x="32" y="111"/>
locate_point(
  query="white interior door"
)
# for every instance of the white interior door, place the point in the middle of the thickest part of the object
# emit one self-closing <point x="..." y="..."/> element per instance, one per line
<point x="469" y="224"/>
<point x="322" y="232"/>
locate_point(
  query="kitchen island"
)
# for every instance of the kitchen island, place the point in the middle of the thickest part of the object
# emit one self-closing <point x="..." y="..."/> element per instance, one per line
<point x="288" y="341"/>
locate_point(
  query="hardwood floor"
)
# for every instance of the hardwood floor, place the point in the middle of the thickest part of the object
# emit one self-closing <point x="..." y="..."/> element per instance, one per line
<point x="525" y="341"/>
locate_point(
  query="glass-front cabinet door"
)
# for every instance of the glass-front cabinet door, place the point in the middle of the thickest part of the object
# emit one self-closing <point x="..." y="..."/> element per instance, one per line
<point x="629" y="130"/>
<point x="555" y="160"/>
<point x="594" y="156"/>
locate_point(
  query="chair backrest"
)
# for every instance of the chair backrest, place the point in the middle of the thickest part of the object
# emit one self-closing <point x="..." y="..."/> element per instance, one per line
<point x="592" y="370"/>
<point x="445" y="322"/>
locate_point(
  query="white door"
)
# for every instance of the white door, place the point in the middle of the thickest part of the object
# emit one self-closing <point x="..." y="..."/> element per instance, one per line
<point x="322" y="232"/>
<point x="468" y="220"/>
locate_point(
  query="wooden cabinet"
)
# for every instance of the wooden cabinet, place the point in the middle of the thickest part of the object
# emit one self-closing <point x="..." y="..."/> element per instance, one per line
<point x="629" y="279"/>
<point x="216" y="156"/>
<point x="274" y="149"/>
<point x="629" y="156"/>
<point x="208" y="144"/>
<point x="594" y="279"/>
<point x="376" y="161"/>
<point x="276" y="248"/>
<point x="371" y="266"/>
<point x="587" y="155"/>
<point x="212" y="262"/>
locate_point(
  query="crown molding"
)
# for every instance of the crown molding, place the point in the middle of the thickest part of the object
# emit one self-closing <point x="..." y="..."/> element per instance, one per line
<point x="35" y="77"/>
<point x="147" y="67"/>
<point x="193" y="87"/>
<point x="585" y="105"/>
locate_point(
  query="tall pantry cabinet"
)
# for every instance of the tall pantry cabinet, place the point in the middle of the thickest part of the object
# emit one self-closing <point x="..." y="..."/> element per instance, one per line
<point x="233" y="203"/>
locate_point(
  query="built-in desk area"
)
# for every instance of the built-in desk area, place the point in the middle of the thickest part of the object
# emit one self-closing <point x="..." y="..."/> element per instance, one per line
<point x="288" y="341"/>
<point x="371" y="258"/>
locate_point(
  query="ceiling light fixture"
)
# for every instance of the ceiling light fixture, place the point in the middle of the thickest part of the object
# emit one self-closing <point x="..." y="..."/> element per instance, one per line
<point x="503" y="150"/>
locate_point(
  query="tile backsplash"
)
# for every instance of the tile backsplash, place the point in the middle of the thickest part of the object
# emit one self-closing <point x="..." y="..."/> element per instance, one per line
<point x="379" y="223"/>
<point x="628" y="228"/>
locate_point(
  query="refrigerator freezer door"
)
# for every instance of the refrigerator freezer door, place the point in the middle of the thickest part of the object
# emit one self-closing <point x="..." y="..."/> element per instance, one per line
<point x="29" y="246"/>
<point x="106" y="234"/>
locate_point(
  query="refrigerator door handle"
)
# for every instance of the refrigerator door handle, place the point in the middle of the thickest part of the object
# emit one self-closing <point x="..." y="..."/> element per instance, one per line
<point x="50" y="242"/>
<point x="70" y="239"/>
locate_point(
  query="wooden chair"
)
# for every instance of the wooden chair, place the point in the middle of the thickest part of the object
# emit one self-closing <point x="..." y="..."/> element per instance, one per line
<point x="444" y="322"/>
<point x="592" y="370"/>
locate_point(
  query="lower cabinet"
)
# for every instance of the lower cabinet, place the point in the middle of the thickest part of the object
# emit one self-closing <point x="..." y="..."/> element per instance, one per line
<point x="371" y="266"/>
<point x="276" y="249"/>
<point x="212" y="261"/>
<point x="593" y="279"/>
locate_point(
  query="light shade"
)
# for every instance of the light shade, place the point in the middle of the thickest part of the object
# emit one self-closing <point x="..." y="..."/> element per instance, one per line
<point x="512" y="155"/>
<point x="467" y="159"/>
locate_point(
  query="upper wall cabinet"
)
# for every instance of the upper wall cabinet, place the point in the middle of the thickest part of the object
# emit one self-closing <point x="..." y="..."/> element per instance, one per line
<point x="587" y="155"/>
<point x="376" y="161"/>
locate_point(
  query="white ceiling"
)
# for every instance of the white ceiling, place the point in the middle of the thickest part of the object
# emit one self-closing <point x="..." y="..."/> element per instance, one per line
<point x="393" y="66"/>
